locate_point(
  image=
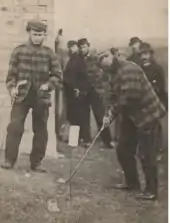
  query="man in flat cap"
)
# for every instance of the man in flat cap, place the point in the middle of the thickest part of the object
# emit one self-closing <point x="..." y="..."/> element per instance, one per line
<point x="134" y="44"/>
<point x="87" y="82"/>
<point x="33" y="73"/>
<point x="132" y="96"/>
<point x="155" y="75"/>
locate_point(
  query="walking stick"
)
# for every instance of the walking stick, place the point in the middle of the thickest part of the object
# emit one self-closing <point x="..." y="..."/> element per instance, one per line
<point x="84" y="156"/>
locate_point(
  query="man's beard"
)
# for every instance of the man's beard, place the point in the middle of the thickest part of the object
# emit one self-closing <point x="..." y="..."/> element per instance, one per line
<point x="146" y="62"/>
<point x="115" y="65"/>
<point x="36" y="43"/>
<point x="72" y="54"/>
<point x="84" y="54"/>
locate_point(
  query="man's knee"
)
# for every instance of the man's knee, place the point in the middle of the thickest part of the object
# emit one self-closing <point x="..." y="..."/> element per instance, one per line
<point x="16" y="127"/>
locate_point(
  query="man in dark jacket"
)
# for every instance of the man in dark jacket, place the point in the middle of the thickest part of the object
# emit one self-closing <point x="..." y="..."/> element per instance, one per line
<point x="87" y="81"/>
<point x="133" y="97"/>
<point x="76" y="101"/>
<point x="134" y="44"/>
<point x="69" y="79"/>
<point x="37" y="67"/>
<point x="153" y="71"/>
<point x="155" y="75"/>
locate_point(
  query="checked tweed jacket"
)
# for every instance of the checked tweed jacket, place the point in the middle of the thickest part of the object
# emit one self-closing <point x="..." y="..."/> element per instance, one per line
<point x="36" y="65"/>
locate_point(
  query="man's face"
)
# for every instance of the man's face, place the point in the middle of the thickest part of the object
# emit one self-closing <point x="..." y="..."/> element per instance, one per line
<point x="73" y="49"/>
<point x="84" y="49"/>
<point x="37" y="38"/>
<point x="145" y="57"/>
<point x="135" y="47"/>
<point x="107" y="60"/>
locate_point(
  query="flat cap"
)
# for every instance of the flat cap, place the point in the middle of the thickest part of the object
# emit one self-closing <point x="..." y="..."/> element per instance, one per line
<point x="36" y="25"/>
<point x="83" y="41"/>
<point x="145" y="47"/>
<point x="71" y="43"/>
<point x="134" y="40"/>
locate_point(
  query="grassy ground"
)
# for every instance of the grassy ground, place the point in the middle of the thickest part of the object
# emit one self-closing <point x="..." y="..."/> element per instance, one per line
<point x="24" y="195"/>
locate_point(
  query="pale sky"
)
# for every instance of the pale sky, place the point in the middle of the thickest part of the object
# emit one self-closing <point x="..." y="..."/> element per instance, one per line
<point x="109" y="21"/>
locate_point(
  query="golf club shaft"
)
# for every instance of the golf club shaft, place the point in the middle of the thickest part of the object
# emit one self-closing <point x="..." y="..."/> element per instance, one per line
<point x="84" y="156"/>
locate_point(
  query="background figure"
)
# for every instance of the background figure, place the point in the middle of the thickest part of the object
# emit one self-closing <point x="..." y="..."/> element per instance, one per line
<point x="134" y="45"/>
<point x="70" y="92"/>
<point x="155" y="75"/>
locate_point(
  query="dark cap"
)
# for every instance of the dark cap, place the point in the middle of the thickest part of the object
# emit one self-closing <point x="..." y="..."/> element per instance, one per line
<point x="134" y="40"/>
<point x="36" y="25"/>
<point x="71" y="43"/>
<point x="145" y="47"/>
<point x="114" y="50"/>
<point x="82" y="42"/>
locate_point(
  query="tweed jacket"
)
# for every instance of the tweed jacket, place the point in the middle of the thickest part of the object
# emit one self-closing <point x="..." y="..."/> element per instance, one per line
<point x="36" y="65"/>
<point x="131" y="93"/>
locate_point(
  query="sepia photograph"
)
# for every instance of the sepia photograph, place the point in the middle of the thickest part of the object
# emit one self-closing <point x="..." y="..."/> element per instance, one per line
<point x="84" y="111"/>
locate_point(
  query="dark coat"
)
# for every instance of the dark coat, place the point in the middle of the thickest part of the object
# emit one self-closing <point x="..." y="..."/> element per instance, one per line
<point x="155" y="75"/>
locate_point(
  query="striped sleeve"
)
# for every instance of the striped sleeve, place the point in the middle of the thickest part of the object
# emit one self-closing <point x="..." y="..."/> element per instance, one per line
<point x="13" y="70"/>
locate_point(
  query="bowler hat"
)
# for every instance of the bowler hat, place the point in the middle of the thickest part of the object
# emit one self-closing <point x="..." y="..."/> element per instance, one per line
<point x="82" y="42"/>
<point x="145" y="47"/>
<point x="71" y="43"/>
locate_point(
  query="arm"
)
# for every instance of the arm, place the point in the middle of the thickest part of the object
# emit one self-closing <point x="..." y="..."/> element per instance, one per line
<point x="11" y="80"/>
<point x="112" y="98"/>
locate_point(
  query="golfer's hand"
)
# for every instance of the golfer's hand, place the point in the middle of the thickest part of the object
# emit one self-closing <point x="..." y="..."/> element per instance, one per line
<point x="14" y="92"/>
<point x="44" y="87"/>
<point x="107" y="121"/>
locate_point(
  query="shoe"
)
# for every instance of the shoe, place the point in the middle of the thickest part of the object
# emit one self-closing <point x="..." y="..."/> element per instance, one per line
<point x="110" y="145"/>
<point x="38" y="168"/>
<point x="7" y="165"/>
<point x="127" y="187"/>
<point x="148" y="196"/>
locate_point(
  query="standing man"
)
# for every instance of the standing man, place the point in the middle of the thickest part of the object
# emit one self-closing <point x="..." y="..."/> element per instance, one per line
<point x="87" y="83"/>
<point x="69" y="82"/>
<point x="35" y="65"/>
<point x="133" y="97"/>
<point x="155" y="75"/>
<point x="76" y="102"/>
<point x="134" y="44"/>
<point x="153" y="71"/>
